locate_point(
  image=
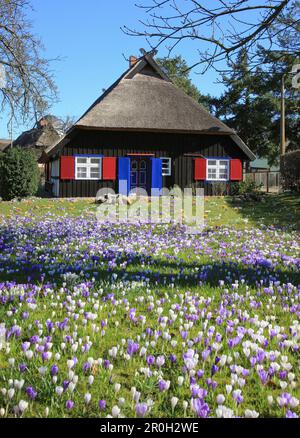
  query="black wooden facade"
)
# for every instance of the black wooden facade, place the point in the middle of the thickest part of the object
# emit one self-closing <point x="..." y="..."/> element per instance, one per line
<point x="182" y="148"/>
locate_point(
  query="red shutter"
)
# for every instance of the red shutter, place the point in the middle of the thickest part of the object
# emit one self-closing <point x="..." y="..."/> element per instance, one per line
<point x="236" y="170"/>
<point x="67" y="167"/>
<point x="199" y="169"/>
<point x="109" y="168"/>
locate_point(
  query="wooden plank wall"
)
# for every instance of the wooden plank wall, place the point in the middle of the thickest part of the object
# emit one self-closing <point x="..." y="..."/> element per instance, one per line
<point x="119" y="144"/>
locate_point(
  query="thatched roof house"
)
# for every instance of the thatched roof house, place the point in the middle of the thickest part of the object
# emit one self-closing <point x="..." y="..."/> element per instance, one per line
<point x="4" y="144"/>
<point x="40" y="137"/>
<point x="153" y="134"/>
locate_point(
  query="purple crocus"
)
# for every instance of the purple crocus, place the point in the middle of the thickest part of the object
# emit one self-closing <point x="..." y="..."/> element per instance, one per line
<point x="214" y="369"/>
<point x="141" y="409"/>
<point x="201" y="408"/>
<point x="106" y="363"/>
<point x="264" y="376"/>
<point x="31" y="392"/>
<point x="65" y="384"/>
<point x="163" y="386"/>
<point x="69" y="405"/>
<point x="54" y="370"/>
<point x="290" y="414"/>
<point x="200" y="374"/>
<point x="102" y="405"/>
<point x="150" y="360"/>
<point x="173" y="358"/>
<point x="22" y="367"/>
<point x="132" y="348"/>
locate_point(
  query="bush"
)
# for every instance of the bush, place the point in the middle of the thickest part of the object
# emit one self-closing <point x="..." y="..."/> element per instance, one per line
<point x="19" y="173"/>
<point x="290" y="171"/>
<point x="245" y="187"/>
<point x="219" y="189"/>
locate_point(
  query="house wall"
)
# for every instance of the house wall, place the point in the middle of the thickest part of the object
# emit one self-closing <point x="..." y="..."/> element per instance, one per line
<point x="176" y="146"/>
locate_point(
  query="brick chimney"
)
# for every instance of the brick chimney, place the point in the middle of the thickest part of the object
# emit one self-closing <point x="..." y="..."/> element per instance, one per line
<point x="132" y="60"/>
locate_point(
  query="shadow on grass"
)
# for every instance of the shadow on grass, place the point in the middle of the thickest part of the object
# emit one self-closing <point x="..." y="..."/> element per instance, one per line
<point x="278" y="210"/>
<point x="158" y="273"/>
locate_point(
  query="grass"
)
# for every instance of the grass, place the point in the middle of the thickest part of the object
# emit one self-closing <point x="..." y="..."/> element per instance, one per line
<point x="158" y="273"/>
<point x="278" y="210"/>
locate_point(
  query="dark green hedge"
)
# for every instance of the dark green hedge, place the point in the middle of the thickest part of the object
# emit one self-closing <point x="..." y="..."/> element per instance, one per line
<point x="290" y="170"/>
<point x="19" y="174"/>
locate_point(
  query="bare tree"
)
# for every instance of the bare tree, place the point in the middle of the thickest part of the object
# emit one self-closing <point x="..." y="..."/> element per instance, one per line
<point x="62" y="124"/>
<point x="27" y="87"/>
<point x="221" y="28"/>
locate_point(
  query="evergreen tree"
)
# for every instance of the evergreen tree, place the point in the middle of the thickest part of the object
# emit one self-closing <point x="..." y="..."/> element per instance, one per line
<point x="246" y="110"/>
<point x="177" y="70"/>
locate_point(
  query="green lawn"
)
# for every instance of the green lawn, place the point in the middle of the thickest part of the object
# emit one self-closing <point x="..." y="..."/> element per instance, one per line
<point x="281" y="210"/>
<point x="72" y="289"/>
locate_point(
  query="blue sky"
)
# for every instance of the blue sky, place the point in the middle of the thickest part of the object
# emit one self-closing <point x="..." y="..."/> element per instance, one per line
<point x="86" y="34"/>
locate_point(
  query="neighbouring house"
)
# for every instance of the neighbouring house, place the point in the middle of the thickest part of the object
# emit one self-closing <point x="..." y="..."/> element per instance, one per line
<point x="262" y="165"/>
<point x="144" y="132"/>
<point x="41" y="136"/>
<point x="4" y="144"/>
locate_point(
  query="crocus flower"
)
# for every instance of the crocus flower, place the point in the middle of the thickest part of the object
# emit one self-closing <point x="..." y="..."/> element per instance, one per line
<point x="160" y="361"/>
<point x="102" y="405"/>
<point x="54" y="370"/>
<point x="200" y="407"/>
<point x="150" y="360"/>
<point x="141" y="409"/>
<point x="69" y="405"/>
<point x="115" y="411"/>
<point x="163" y="385"/>
<point x="31" y="392"/>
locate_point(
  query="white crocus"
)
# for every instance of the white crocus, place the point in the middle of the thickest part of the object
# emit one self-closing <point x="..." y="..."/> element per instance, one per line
<point x="174" y="401"/>
<point x="87" y="398"/>
<point x="115" y="411"/>
<point x="251" y="414"/>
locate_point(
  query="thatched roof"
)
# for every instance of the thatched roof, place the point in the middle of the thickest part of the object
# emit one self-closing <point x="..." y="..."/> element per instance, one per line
<point x="39" y="138"/>
<point x="3" y="144"/>
<point x="145" y="99"/>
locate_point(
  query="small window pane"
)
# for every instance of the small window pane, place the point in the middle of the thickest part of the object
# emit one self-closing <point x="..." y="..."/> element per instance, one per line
<point x="95" y="161"/>
<point x="81" y="160"/>
<point x="133" y="178"/>
<point x="143" y="164"/>
<point x="95" y="173"/>
<point x="212" y="162"/>
<point x="143" y="178"/>
<point x="223" y="163"/>
<point x="81" y="172"/>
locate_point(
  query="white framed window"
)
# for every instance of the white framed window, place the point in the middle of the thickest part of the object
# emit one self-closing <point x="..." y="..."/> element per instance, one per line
<point x="166" y="166"/>
<point x="88" y="167"/>
<point x="217" y="170"/>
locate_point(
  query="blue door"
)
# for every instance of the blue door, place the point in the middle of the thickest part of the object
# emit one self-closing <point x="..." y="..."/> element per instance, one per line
<point x="138" y="173"/>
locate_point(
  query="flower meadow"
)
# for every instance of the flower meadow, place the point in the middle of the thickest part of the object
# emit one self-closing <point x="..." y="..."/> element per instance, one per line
<point x="106" y="320"/>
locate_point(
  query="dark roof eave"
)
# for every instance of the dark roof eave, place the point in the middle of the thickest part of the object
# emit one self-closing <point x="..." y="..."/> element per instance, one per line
<point x="167" y="130"/>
